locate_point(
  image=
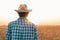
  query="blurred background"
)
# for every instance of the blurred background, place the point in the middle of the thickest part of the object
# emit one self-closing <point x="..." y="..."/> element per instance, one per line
<point x="45" y="14"/>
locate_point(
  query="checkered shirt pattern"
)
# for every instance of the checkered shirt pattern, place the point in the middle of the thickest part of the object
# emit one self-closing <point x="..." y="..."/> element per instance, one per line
<point x="21" y="29"/>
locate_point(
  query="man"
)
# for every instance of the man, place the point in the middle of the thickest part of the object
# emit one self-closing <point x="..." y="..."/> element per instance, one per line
<point x="21" y="29"/>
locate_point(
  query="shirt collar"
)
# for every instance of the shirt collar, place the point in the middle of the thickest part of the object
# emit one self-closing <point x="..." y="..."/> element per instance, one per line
<point x="22" y="18"/>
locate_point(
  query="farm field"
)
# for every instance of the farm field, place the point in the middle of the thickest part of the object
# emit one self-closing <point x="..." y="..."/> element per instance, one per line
<point x="45" y="32"/>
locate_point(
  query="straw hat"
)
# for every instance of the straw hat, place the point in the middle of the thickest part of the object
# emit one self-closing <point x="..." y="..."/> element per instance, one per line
<point x="23" y="8"/>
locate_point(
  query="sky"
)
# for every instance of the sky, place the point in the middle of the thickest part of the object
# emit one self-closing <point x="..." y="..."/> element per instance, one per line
<point x="44" y="12"/>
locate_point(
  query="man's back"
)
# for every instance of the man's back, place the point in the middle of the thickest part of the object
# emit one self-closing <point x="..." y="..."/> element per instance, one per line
<point x="21" y="29"/>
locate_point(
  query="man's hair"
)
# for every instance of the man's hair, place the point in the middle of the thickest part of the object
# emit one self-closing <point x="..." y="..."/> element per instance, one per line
<point x="23" y="14"/>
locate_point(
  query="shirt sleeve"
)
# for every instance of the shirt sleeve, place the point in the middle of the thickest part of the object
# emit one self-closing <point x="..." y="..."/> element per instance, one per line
<point x="8" y="33"/>
<point x="35" y="34"/>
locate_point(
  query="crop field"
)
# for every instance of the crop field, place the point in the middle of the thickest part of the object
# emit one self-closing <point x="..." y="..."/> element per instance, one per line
<point x="49" y="32"/>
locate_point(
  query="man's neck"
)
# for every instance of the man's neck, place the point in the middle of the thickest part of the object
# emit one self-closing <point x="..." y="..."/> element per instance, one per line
<point x="23" y="17"/>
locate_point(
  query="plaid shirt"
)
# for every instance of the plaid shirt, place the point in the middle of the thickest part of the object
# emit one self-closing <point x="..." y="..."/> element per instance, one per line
<point x="21" y="29"/>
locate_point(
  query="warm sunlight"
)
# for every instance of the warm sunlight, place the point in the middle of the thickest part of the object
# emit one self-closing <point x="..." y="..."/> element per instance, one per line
<point x="44" y="12"/>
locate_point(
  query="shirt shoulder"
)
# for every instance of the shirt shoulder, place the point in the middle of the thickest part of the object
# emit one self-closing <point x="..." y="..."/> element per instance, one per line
<point x="12" y="23"/>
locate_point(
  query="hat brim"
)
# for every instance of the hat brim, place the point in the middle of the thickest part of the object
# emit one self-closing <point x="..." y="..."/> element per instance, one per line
<point x="23" y="10"/>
